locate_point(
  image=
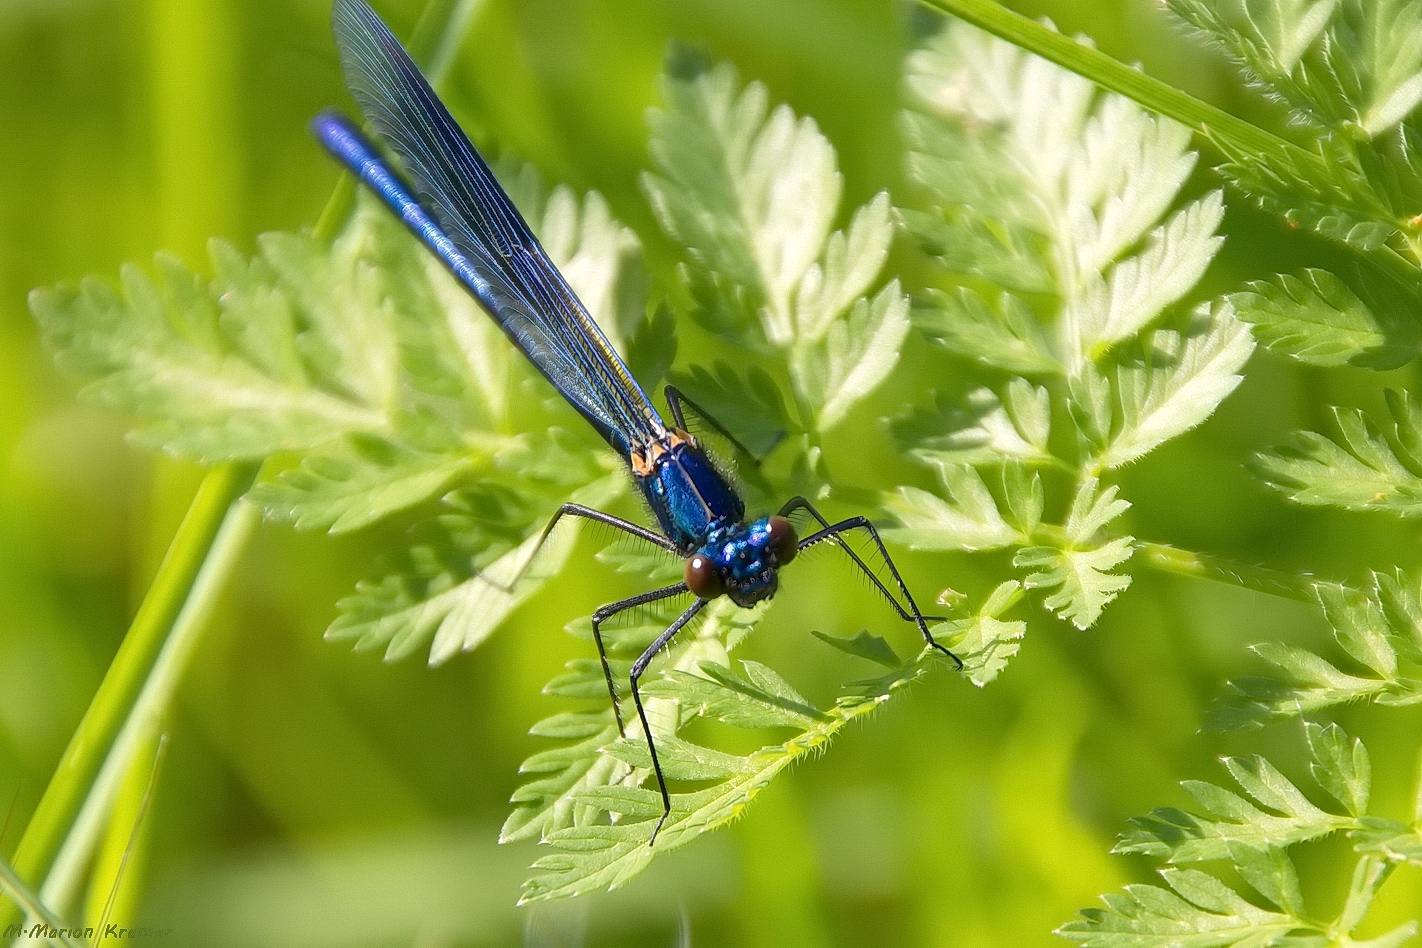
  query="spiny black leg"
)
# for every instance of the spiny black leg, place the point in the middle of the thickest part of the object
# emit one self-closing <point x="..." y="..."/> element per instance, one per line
<point x="675" y="398"/>
<point x="597" y="516"/>
<point x="607" y="612"/>
<point x="800" y="503"/>
<point x="640" y="666"/>
<point x="832" y="532"/>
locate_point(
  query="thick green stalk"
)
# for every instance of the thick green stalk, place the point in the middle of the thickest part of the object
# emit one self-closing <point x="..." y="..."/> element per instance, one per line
<point x="1235" y="134"/>
<point x="114" y="890"/>
<point x="119" y="691"/>
<point x="1170" y="559"/>
<point x="1238" y="139"/>
<point x="13" y="886"/>
<point x="144" y="716"/>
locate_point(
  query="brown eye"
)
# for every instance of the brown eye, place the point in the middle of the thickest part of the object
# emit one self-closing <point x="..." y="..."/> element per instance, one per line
<point x="703" y="579"/>
<point x="782" y="540"/>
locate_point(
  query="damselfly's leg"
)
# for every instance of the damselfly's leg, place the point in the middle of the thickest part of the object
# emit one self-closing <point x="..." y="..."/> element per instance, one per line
<point x="607" y="612"/>
<point x="832" y="532"/>
<point x="638" y="667"/>
<point x="597" y="516"/>
<point x="675" y="399"/>
<point x="825" y="533"/>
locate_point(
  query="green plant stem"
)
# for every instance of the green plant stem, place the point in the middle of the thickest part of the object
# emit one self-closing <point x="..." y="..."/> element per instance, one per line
<point x="1235" y="134"/>
<point x="1170" y="559"/>
<point x="118" y="693"/>
<point x="126" y="828"/>
<point x="144" y="719"/>
<point x="13" y="886"/>
<point x="1236" y="138"/>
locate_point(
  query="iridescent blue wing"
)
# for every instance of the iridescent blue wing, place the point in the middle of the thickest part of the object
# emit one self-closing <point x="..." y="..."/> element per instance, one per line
<point x="460" y="212"/>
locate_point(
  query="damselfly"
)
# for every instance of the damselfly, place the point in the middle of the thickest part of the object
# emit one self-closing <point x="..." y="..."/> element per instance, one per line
<point x="454" y="205"/>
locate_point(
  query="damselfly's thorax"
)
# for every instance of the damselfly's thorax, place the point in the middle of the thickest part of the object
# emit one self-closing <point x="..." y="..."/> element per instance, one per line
<point x="684" y="488"/>
<point x="702" y="513"/>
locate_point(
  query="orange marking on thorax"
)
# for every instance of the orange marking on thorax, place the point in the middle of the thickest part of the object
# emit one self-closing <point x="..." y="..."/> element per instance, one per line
<point x="644" y="461"/>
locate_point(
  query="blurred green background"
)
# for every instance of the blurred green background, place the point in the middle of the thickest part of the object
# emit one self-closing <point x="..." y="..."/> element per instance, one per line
<point x="312" y="796"/>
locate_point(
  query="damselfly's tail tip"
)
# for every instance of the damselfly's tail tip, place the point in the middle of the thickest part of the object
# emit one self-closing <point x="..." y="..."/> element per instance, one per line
<point x="328" y="124"/>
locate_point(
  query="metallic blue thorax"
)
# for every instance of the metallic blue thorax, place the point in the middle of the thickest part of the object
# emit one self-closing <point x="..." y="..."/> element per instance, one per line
<point x="701" y="513"/>
<point x="688" y="495"/>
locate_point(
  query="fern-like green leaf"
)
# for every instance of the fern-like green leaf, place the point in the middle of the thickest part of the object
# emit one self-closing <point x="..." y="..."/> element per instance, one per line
<point x="1360" y="468"/>
<point x="1068" y="200"/>
<point x="1317" y="319"/>
<point x="1340" y="765"/>
<point x="1175" y="383"/>
<point x="603" y="854"/>
<point x="753" y="192"/>
<point x="1345" y="208"/>
<point x="751" y="397"/>
<point x="863" y="645"/>
<point x="1377" y="629"/>
<point x="759" y="699"/>
<point x="1140" y="287"/>
<point x="1253" y="832"/>
<point x="215" y="370"/>
<point x="356" y="481"/>
<point x="988" y="429"/>
<point x="856" y="354"/>
<point x="1002" y="332"/>
<point x="1080" y="569"/>
<point x="962" y="516"/>
<point x="1350" y="71"/>
<point x="1016" y="145"/>
<point x="379" y="386"/>
<point x="553" y="801"/>
<point x="1393" y="840"/>
<point x="1196" y="910"/>
<point x="753" y="189"/>
<point x="1082" y="578"/>
<point x="588" y="802"/>
<point x="985" y="641"/>
<point x="1272" y="813"/>
<point x="451" y="592"/>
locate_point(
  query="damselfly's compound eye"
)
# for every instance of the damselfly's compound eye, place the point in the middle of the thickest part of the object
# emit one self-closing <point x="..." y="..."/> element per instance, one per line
<point x="702" y="577"/>
<point x="783" y="541"/>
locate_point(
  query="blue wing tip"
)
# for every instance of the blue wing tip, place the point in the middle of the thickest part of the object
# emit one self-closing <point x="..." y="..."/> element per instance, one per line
<point x="355" y="20"/>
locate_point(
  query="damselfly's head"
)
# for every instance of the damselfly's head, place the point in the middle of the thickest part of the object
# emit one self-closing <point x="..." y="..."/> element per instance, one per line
<point x="742" y="562"/>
